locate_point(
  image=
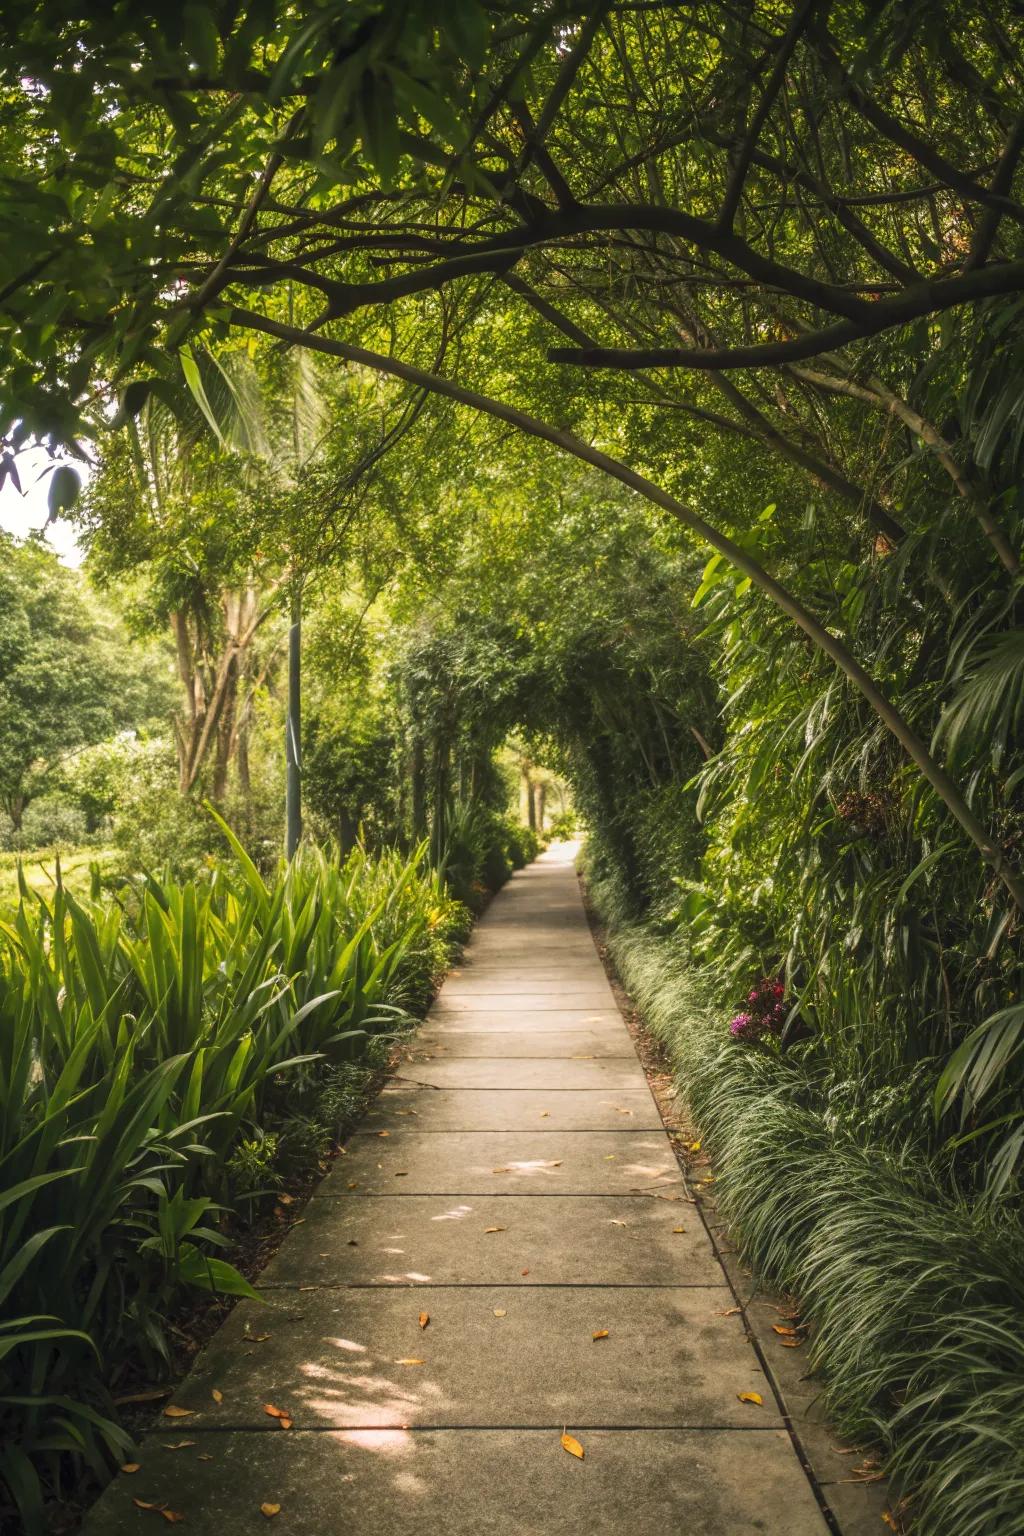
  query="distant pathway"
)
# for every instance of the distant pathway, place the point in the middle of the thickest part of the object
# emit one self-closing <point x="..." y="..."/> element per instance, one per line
<point x="515" y="1187"/>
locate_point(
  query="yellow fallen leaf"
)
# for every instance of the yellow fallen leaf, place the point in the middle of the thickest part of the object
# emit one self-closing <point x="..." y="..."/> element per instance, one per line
<point x="678" y="1229"/>
<point x="495" y="1229"/>
<point x="261" y="1338"/>
<point x="500" y="1312"/>
<point x="694" y="1146"/>
<point x="131" y="1466"/>
<point x="217" y="1395"/>
<point x="790" y="1343"/>
<point x="750" y="1397"/>
<point x="730" y="1312"/>
<point x="501" y="1170"/>
<point x="383" y="1133"/>
<point x="572" y="1445"/>
<point x="789" y="1333"/>
<point x="353" y="1183"/>
<point x="204" y="1456"/>
<point x="141" y="1504"/>
<point x="270" y="1510"/>
<point x="410" y="1361"/>
<point x="424" y="1319"/>
<point x="602" y="1333"/>
<point x="615" y="1223"/>
<point x="174" y="1412"/>
<point x="545" y="1114"/>
<point x="286" y="1199"/>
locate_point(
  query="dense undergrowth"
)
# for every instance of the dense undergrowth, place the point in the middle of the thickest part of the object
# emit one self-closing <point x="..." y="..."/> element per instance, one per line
<point x="915" y="1292"/>
<point x="170" y="1056"/>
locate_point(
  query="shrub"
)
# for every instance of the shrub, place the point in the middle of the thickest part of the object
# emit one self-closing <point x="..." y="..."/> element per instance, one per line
<point x="162" y="1057"/>
<point x="49" y="821"/>
<point x="915" y="1296"/>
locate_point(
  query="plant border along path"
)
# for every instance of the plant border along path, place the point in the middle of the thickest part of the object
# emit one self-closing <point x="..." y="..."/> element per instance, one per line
<point x="502" y="1313"/>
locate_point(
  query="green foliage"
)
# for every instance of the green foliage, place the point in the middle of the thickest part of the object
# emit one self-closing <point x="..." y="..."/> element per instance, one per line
<point x="68" y="676"/>
<point x="915" y="1295"/>
<point x="155" y="1057"/>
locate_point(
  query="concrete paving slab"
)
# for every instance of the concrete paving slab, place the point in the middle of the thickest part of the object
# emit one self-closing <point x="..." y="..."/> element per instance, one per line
<point x="480" y="1483"/>
<point x="534" y="1072"/>
<point x="572" y="1045"/>
<point x="334" y="1359"/>
<point x="532" y="1002"/>
<point x="506" y="1163"/>
<point x="523" y="1020"/>
<point x="510" y="979"/>
<point x="497" y="1240"/>
<point x="479" y="1109"/>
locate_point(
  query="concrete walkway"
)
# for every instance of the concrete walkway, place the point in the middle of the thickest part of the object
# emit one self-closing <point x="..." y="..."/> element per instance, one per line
<point x="430" y="1324"/>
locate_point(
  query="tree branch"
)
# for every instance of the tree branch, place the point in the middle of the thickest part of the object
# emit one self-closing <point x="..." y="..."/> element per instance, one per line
<point x="818" y="633"/>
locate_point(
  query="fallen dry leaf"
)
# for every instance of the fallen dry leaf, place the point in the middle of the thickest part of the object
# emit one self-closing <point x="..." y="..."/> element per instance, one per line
<point x="730" y="1312"/>
<point x="501" y="1170"/>
<point x="144" y="1397"/>
<point x="383" y="1133"/>
<point x="678" y="1229"/>
<point x="545" y="1114"/>
<point x="572" y="1445"/>
<point x="524" y="1271"/>
<point x="694" y="1146"/>
<point x="789" y="1333"/>
<point x="172" y="1516"/>
<point x="270" y="1510"/>
<point x="602" y="1333"/>
<point x="286" y="1199"/>
<point x="131" y="1466"/>
<point x="261" y="1338"/>
<point x="791" y="1343"/>
<point x="403" y="1173"/>
<point x="751" y="1397"/>
<point x="424" y="1319"/>
<point x="275" y="1413"/>
<point x="353" y="1183"/>
<point x="410" y="1361"/>
<point x="495" y="1229"/>
<point x="204" y="1456"/>
<point x="217" y="1395"/>
<point x="500" y="1312"/>
<point x="284" y="1422"/>
<point x="177" y="1445"/>
<point x="615" y="1223"/>
<point x="174" y="1412"/>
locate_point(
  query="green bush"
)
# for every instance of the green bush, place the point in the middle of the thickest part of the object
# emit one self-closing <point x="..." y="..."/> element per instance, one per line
<point x="915" y="1296"/>
<point x="162" y="1060"/>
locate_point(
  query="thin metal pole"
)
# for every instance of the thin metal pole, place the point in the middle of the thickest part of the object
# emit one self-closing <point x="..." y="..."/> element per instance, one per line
<point x="293" y="731"/>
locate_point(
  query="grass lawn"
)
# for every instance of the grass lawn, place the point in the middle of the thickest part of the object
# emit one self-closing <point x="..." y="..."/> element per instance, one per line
<point x="40" y="870"/>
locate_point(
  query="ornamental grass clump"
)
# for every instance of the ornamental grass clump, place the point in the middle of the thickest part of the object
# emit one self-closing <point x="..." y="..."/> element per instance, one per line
<point x="150" y="1048"/>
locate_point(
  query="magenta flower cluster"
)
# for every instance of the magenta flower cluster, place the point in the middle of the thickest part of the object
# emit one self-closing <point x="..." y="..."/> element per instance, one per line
<point x="765" y="1013"/>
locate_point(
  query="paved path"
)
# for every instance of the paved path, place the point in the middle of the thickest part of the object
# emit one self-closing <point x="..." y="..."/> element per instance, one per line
<point x="514" y="1183"/>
